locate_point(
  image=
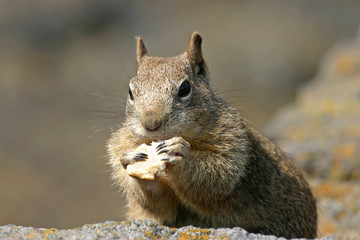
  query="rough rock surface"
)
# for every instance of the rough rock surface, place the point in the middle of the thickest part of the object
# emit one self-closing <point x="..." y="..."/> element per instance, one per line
<point x="321" y="130"/>
<point x="339" y="208"/>
<point x="132" y="229"/>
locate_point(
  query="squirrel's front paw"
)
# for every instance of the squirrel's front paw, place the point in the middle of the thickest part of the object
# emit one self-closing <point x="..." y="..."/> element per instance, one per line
<point x="133" y="157"/>
<point x="173" y="150"/>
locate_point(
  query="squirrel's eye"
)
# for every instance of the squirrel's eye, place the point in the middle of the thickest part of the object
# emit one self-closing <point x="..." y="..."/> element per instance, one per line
<point x="184" y="89"/>
<point x="131" y="96"/>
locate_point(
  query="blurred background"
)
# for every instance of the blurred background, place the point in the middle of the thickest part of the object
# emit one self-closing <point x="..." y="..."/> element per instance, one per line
<point x="65" y="66"/>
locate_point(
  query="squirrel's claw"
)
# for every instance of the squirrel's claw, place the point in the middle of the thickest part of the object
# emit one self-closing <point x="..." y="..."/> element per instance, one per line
<point x="127" y="159"/>
<point x="173" y="150"/>
<point x="160" y="146"/>
<point x="140" y="157"/>
<point x="165" y="150"/>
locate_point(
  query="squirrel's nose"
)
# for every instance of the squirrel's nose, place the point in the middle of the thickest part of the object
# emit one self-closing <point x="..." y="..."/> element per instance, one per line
<point x="150" y="121"/>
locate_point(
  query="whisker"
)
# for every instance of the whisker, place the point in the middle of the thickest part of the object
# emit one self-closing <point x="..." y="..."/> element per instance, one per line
<point x="104" y="89"/>
<point x="125" y="70"/>
<point x="117" y="93"/>
<point x="102" y="111"/>
<point x="95" y="131"/>
<point x="235" y="97"/>
<point x="240" y="89"/>
<point x="97" y="95"/>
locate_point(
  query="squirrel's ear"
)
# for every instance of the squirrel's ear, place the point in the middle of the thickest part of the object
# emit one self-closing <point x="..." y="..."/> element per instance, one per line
<point x="141" y="51"/>
<point x="194" y="53"/>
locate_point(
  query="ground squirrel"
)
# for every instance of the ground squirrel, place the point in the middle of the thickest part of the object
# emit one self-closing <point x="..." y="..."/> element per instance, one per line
<point x="220" y="172"/>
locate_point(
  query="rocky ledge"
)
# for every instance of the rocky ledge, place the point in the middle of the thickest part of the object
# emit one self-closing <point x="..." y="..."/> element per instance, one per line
<point x="321" y="129"/>
<point x="132" y="229"/>
<point x="321" y="132"/>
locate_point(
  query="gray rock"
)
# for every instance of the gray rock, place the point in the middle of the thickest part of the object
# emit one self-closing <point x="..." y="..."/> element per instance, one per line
<point x="132" y="229"/>
<point x="320" y="130"/>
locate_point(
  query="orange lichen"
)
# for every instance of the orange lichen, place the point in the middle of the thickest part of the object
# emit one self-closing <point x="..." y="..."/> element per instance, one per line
<point x="151" y="235"/>
<point x="345" y="63"/>
<point x="332" y="190"/>
<point x="346" y="194"/>
<point x="195" y="234"/>
<point x="50" y="231"/>
<point x="30" y="236"/>
<point x="326" y="227"/>
<point x="345" y="151"/>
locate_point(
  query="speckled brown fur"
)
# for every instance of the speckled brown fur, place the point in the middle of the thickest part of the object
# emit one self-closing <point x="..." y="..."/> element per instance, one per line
<point x="230" y="175"/>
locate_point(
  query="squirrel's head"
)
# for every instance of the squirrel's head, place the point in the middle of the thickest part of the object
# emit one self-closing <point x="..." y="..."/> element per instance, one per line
<point x="168" y="96"/>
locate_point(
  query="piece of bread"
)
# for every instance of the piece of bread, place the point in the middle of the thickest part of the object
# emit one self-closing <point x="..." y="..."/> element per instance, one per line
<point x="149" y="168"/>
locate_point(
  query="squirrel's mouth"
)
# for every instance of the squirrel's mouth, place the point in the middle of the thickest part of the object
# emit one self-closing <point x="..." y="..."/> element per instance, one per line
<point x="153" y="130"/>
<point x="152" y="133"/>
<point x="156" y="135"/>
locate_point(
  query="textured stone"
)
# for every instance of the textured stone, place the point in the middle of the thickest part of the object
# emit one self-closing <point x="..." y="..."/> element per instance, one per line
<point x="133" y="229"/>
<point x="321" y="130"/>
<point x="339" y="208"/>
